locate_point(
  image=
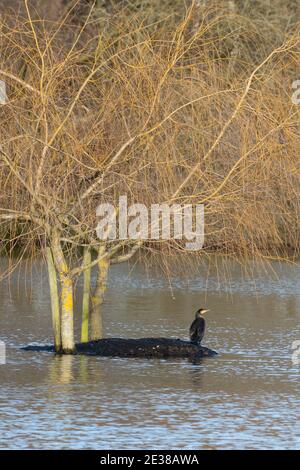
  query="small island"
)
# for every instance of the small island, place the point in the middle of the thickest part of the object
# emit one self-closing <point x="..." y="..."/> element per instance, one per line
<point x="141" y="347"/>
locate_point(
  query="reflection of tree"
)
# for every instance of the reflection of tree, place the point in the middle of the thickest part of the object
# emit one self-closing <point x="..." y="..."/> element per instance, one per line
<point x="61" y="369"/>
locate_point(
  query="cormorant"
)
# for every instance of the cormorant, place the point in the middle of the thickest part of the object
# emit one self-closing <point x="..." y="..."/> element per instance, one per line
<point x="197" y="328"/>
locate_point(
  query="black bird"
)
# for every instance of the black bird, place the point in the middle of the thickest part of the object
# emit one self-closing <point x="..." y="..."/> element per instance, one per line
<point x="197" y="328"/>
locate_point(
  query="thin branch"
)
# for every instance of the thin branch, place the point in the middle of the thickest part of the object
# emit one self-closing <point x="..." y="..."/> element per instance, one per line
<point x="127" y="256"/>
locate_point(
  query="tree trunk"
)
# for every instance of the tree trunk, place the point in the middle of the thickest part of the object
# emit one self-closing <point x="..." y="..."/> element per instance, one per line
<point x="66" y="282"/>
<point x="97" y="298"/>
<point x="86" y="295"/>
<point x="54" y="300"/>
<point x="67" y="327"/>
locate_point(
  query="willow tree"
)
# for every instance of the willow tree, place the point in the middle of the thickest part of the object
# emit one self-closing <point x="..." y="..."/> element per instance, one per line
<point x="151" y="112"/>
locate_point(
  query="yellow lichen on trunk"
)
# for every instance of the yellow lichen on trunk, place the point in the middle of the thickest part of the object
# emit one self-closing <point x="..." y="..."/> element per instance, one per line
<point x="67" y="327"/>
<point x="66" y="283"/>
<point x="54" y="300"/>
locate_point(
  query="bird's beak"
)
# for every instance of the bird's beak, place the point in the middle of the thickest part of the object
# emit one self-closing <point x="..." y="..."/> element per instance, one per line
<point x="206" y="310"/>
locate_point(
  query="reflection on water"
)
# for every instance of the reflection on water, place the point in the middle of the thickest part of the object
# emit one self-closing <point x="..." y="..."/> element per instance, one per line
<point x="247" y="397"/>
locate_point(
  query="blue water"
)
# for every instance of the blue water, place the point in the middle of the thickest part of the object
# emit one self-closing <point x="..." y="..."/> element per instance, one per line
<point x="248" y="397"/>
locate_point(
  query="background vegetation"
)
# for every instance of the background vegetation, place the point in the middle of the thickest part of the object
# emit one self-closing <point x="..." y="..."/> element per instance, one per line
<point x="163" y="101"/>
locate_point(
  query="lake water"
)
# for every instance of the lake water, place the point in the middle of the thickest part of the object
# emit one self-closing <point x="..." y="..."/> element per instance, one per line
<point x="248" y="397"/>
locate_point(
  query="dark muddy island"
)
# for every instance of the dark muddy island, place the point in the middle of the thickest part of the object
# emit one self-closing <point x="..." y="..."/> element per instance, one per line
<point x="142" y="347"/>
